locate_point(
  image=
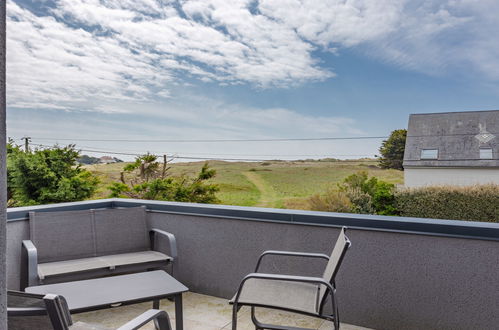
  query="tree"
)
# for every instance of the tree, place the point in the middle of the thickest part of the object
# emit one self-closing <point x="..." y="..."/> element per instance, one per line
<point x="147" y="178"/>
<point x="47" y="176"/>
<point x="87" y="160"/>
<point x="392" y="150"/>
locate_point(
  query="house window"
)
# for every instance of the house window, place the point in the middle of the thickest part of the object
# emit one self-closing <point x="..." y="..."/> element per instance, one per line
<point x="429" y="154"/>
<point x="485" y="153"/>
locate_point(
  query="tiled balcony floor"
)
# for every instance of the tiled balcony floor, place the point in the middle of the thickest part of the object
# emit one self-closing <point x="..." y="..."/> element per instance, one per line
<point x="207" y="313"/>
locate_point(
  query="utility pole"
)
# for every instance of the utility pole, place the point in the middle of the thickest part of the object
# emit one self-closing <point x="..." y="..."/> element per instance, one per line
<point x="26" y="139"/>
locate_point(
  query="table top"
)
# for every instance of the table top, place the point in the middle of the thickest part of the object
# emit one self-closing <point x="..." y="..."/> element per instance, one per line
<point x="107" y="291"/>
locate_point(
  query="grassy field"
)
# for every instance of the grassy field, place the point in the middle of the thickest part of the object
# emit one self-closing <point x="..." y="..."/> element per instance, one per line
<point x="280" y="184"/>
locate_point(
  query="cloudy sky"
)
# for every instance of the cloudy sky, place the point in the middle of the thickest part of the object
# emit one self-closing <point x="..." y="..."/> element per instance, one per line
<point x="87" y="70"/>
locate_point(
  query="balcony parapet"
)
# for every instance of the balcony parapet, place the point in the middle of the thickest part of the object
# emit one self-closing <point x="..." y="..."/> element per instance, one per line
<point x="420" y="226"/>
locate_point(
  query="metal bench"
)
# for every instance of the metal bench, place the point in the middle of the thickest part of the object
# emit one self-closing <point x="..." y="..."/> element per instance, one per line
<point x="75" y="245"/>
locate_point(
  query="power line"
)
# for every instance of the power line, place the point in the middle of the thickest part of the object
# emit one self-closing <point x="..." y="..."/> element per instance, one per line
<point x="214" y="140"/>
<point x="188" y="157"/>
<point x="245" y="140"/>
<point x="232" y="154"/>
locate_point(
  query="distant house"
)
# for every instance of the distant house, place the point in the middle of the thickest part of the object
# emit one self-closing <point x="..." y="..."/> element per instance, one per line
<point x="452" y="148"/>
<point x="107" y="160"/>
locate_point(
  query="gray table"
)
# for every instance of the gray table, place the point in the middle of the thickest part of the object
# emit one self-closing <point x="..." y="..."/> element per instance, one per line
<point x="88" y="295"/>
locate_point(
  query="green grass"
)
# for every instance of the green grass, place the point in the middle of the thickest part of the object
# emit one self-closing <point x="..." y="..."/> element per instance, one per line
<point x="270" y="184"/>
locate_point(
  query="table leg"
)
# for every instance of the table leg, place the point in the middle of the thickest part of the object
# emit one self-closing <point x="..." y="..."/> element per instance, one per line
<point x="179" y="322"/>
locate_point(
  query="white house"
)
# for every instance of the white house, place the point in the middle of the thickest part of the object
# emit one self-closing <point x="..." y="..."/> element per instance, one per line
<point x="107" y="160"/>
<point x="452" y="148"/>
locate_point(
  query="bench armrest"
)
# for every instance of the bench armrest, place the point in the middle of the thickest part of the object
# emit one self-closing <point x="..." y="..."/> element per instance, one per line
<point x="161" y="317"/>
<point x="169" y="236"/>
<point x="30" y="264"/>
<point x="289" y="254"/>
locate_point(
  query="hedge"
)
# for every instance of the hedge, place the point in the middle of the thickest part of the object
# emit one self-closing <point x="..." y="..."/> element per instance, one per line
<point x="474" y="203"/>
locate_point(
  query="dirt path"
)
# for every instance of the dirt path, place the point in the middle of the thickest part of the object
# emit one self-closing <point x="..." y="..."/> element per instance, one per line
<point x="268" y="196"/>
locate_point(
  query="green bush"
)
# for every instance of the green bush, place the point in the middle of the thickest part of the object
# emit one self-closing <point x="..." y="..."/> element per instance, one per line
<point x="331" y="201"/>
<point x="147" y="178"/>
<point x="475" y="203"/>
<point x="46" y="176"/>
<point x="361" y="202"/>
<point x="358" y="194"/>
<point x="370" y="194"/>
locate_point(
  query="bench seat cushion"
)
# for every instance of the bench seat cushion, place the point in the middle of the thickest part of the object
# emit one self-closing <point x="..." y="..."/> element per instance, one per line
<point x="49" y="269"/>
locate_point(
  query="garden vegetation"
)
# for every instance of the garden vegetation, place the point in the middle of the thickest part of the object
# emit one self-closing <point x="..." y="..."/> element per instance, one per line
<point x="147" y="178"/>
<point x="360" y="194"/>
<point x="46" y="176"/>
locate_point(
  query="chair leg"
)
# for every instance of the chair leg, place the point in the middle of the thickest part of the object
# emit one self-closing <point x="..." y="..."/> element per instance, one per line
<point x="235" y="309"/>
<point x="254" y="320"/>
<point x="335" y="311"/>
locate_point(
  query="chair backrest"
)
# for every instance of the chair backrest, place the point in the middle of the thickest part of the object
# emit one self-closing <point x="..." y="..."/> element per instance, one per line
<point x="66" y="235"/>
<point x="333" y="265"/>
<point x="27" y="311"/>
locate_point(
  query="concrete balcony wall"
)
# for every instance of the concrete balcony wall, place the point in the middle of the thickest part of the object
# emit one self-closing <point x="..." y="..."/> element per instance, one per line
<point x="399" y="274"/>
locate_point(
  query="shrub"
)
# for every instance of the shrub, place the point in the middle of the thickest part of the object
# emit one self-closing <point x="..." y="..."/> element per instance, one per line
<point x="475" y="203"/>
<point x="331" y="201"/>
<point x="362" y="202"/>
<point x="147" y="178"/>
<point x="370" y="195"/>
<point x="253" y="169"/>
<point x="47" y="176"/>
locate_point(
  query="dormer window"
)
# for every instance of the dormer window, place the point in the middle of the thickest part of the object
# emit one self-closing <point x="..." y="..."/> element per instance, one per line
<point x="485" y="153"/>
<point x="429" y="154"/>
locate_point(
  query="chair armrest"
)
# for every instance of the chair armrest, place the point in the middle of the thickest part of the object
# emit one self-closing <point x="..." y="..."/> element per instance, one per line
<point x="171" y="240"/>
<point x="289" y="254"/>
<point x="163" y="321"/>
<point x="26" y="311"/>
<point x="31" y="271"/>
<point x="278" y="277"/>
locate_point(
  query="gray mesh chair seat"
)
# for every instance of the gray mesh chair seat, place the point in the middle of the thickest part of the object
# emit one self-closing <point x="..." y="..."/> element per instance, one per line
<point x="76" y="245"/>
<point x="280" y="294"/>
<point x="27" y="311"/>
<point x="150" y="258"/>
<point x="87" y="326"/>
<point x="300" y="294"/>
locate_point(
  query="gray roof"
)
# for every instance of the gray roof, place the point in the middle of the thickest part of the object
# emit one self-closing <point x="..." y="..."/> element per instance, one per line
<point x="458" y="136"/>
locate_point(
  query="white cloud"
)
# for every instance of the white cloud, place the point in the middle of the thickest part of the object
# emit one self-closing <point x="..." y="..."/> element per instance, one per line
<point x="83" y="54"/>
<point x="200" y="118"/>
<point x="347" y="23"/>
<point x="91" y="51"/>
<point x="51" y="64"/>
<point x="434" y="37"/>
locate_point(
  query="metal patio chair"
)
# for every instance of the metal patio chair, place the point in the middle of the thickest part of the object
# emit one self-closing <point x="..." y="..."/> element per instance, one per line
<point x="28" y="311"/>
<point x="299" y="294"/>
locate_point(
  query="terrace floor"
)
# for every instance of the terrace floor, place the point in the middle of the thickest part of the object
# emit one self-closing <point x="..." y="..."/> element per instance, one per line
<point x="207" y="313"/>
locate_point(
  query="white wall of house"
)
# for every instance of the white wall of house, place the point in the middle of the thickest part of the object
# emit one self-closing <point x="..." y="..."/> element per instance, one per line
<point x="418" y="177"/>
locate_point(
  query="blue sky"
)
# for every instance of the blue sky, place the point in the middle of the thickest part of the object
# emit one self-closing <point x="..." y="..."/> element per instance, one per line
<point x="214" y="69"/>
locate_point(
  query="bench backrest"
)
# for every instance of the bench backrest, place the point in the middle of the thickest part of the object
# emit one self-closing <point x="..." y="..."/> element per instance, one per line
<point x="66" y="235"/>
<point x="121" y="230"/>
<point x="62" y="235"/>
